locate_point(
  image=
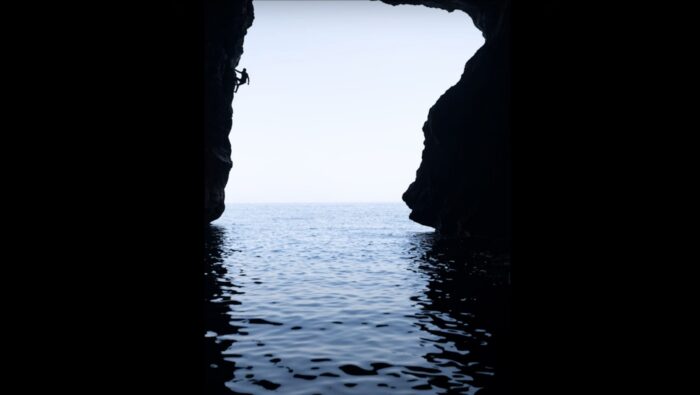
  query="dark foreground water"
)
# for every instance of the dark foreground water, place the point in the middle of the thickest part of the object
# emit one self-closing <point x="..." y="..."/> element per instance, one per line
<point x="350" y="299"/>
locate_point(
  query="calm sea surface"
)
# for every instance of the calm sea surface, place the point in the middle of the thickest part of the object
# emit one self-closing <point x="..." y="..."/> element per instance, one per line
<point x="349" y="299"/>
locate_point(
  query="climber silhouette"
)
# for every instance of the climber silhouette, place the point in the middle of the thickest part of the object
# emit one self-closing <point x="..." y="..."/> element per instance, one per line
<point x="240" y="81"/>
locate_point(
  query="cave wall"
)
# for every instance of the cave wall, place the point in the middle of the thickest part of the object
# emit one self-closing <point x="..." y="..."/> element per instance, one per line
<point x="463" y="185"/>
<point x="226" y="24"/>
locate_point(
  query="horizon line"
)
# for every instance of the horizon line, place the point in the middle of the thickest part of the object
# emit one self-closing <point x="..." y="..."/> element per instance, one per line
<point x="322" y="202"/>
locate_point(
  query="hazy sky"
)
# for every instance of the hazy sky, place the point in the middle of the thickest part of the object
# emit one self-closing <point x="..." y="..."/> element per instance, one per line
<point x="338" y="96"/>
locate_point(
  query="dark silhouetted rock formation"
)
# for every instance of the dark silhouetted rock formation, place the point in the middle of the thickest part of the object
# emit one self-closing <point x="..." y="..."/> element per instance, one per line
<point x="462" y="186"/>
<point x="227" y="22"/>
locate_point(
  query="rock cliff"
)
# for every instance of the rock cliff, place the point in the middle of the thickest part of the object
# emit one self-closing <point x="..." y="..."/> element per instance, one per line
<point x="463" y="184"/>
<point x="226" y="24"/>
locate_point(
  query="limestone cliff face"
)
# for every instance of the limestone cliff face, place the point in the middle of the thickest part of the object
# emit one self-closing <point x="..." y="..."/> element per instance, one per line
<point x="226" y="24"/>
<point x="463" y="184"/>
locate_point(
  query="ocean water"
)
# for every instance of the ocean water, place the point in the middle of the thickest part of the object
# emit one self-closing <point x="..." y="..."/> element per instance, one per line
<point x="350" y="299"/>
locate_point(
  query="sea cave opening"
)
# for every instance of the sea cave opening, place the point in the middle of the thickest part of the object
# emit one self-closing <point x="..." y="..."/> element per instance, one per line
<point x="326" y="298"/>
<point x="338" y="95"/>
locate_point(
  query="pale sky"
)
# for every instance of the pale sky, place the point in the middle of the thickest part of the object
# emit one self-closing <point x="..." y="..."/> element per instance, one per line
<point x="338" y="96"/>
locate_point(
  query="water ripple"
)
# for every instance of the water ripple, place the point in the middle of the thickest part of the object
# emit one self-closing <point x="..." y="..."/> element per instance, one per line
<point x="349" y="299"/>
